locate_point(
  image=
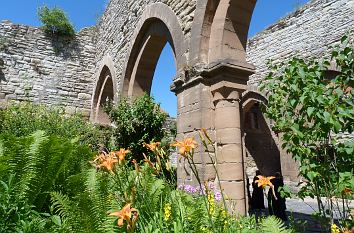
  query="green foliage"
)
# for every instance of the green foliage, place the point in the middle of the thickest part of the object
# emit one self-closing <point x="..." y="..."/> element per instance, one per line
<point x="273" y="225"/>
<point x="55" y="21"/>
<point x="106" y="193"/>
<point x="47" y="184"/>
<point x="21" y="119"/>
<point x="18" y="215"/>
<point x="311" y="111"/>
<point x="41" y="164"/>
<point x="136" y="123"/>
<point x="160" y="207"/>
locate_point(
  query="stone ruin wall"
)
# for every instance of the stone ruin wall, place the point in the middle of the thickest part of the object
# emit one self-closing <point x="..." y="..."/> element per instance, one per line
<point x="46" y="70"/>
<point x="34" y="70"/>
<point x="309" y="33"/>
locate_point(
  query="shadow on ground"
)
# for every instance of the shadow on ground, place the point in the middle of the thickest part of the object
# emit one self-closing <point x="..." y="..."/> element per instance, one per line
<point x="302" y="222"/>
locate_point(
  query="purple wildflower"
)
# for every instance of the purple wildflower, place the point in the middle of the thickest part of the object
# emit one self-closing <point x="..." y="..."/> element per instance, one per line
<point x="217" y="195"/>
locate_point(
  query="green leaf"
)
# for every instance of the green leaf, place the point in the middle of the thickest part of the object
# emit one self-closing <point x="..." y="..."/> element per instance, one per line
<point x="312" y="175"/>
<point x="302" y="73"/>
<point x="56" y="220"/>
<point x="344" y="39"/>
<point x="349" y="150"/>
<point x="327" y="117"/>
<point x="310" y="111"/>
<point x="337" y="126"/>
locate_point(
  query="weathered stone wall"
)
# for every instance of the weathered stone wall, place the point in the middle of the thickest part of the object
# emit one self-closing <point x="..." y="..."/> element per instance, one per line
<point x="34" y="71"/>
<point x="308" y="32"/>
<point x="117" y="25"/>
<point x="44" y="69"/>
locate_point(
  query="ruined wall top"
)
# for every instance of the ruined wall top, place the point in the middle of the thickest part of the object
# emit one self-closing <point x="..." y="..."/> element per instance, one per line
<point x="69" y="78"/>
<point x="49" y="70"/>
<point x="309" y="32"/>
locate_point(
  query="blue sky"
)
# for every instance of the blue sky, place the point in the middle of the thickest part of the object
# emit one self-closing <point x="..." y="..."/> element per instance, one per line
<point x="86" y="13"/>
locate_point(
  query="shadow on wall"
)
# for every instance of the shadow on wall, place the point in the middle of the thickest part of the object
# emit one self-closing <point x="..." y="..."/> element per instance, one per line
<point x="2" y="75"/>
<point x="65" y="46"/>
<point x="260" y="143"/>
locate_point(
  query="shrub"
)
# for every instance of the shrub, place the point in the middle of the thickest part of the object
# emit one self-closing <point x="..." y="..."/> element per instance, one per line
<point x="21" y="119"/>
<point x="55" y="21"/>
<point x="135" y="123"/>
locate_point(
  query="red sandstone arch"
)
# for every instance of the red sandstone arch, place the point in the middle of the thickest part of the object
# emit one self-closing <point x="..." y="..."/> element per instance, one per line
<point x="104" y="91"/>
<point x="220" y="31"/>
<point x="157" y="26"/>
<point x="251" y="97"/>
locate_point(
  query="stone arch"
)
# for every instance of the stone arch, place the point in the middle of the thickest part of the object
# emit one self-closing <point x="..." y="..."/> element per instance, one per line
<point x="251" y="97"/>
<point x="157" y="26"/>
<point x="261" y="144"/>
<point x="220" y="31"/>
<point x="104" y="90"/>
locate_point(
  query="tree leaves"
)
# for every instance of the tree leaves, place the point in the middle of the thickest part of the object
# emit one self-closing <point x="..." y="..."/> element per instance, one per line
<point x="312" y="113"/>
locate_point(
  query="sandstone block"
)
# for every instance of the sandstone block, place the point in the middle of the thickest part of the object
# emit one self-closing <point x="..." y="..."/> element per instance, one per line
<point x="228" y="135"/>
<point x="230" y="171"/>
<point x="230" y="153"/>
<point x="233" y="190"/>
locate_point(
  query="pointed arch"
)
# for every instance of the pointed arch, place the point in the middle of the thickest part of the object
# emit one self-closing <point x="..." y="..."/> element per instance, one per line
<point x="220" y="31"/>
<point x="157" y="26"/>
<point x="104" y="91"/>
<point x="261" y="144"/>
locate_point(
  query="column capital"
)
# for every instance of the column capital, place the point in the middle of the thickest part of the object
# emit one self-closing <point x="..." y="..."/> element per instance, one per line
<point x="225" y="90"/>
<point x="223" y="70"/>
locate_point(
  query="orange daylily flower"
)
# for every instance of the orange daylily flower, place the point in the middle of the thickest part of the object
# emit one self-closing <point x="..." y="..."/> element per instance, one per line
<point x="128" y="214"/>
<point x="101" y="157"/>
<point x="264" y="181"/>
<point x="108" y="163"/>
<point x="152" y="145"/>
<point x="121" y="154"/>
<point x="185" y="146"/>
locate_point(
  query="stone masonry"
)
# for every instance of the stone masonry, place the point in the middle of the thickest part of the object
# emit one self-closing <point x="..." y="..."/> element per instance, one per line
<point x="309" y="32"/>
<point x="218" y="72"/>
<point x="47" y="70"/>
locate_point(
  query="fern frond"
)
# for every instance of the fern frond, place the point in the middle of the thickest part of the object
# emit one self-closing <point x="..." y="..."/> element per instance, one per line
<point x="29" y="174"/>
<point x="274" y="225"/>
<point x="65" y="208"/>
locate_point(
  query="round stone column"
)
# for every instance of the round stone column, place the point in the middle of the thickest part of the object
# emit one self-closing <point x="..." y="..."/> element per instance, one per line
<point x="230" y="162"/>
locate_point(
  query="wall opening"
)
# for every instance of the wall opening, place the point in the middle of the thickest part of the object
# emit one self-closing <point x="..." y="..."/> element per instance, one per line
<point x="163" y="76"/>
<point x="144" y="57"/>
<point x="262" y="152"/>
<point x="103" y="94"/>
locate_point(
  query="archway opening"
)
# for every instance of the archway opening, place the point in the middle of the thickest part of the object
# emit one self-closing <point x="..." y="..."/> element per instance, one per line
<point x="164" y="73"/>
<point x="103" y="94"/>
<point x="146" y="52"/>
<point x="262" y="151"/>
